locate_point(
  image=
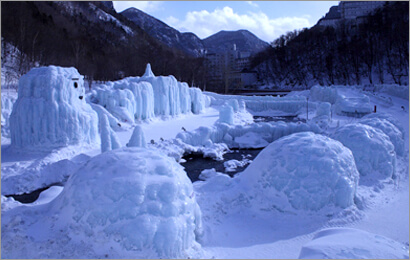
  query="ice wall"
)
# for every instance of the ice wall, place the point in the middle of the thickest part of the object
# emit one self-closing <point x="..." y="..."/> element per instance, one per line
<point x="51" y="110"/>
<point x="306" y="171"/>
<point x="126" y="100"/>
<point x="324" y="94"/>
<point x="290" y="105"/>
<point x="7" y="102"/>
<point x="140" y="98"/>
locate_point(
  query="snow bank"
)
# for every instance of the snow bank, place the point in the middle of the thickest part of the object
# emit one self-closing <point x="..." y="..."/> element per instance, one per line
<point x="126" y="203"/>
<point x="324" y="94"/>
<point x="356" y="106"/>
<point x="51" y="110"/>
<point x="231" y="165"/>
<point x="401" y="91"/>
<point x="372" y="150"/>
<point x="254" y="135"/>
<point x="395" y="135"/>
<point x="349" y="243"/>
<point x="304" y="170"/>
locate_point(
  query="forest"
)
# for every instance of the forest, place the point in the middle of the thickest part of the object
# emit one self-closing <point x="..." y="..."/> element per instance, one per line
<point x="373" y="51"/>
<point x="74" y="34"/>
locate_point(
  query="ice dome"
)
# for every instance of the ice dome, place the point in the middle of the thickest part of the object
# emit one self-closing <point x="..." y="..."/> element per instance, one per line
<point x="387" y="117"/>
<point x="372" y="149"/>
<point x="51" y="110"/>
<point x="307" y="170"/>
<point x="133" y="199"/>
<point x="390" y="130"/>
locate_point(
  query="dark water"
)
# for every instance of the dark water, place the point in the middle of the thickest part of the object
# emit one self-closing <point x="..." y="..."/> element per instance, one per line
<point x="32" y="196"/>
<point x="279" y="118"/>
<point x="195" y="163"/>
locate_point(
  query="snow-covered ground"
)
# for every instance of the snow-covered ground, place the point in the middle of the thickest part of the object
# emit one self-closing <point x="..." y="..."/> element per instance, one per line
<point x="311" y="193"/>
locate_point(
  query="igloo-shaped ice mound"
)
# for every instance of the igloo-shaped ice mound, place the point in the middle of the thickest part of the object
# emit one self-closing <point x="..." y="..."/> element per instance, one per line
<point x="306" y="170"/>
<point x="133" y="199"/>
<point x="372" y="149"/>
<point x="51" y="110"/>
<point x="395" y="135"/>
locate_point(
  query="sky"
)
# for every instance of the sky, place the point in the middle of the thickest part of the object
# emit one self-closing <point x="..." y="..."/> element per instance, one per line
<point x="266" y="19"/>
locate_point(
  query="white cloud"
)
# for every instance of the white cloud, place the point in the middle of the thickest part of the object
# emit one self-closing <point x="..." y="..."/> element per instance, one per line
<point x="252" y="4"/>
<point x="204" y="23"/>
<point x="145" y="6"/>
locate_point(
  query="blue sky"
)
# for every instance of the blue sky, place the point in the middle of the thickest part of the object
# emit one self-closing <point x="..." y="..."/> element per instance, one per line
<point x="266" y="19"/>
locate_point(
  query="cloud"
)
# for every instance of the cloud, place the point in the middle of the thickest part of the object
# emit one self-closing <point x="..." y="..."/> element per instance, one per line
<point x="145" y="6"/>
<point x="204" y="23"/>
<point x="252" y="4"/>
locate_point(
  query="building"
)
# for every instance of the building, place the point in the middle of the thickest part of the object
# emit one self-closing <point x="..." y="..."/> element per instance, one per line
<point x="353" y="11"/>
<point x="229" y="71"/>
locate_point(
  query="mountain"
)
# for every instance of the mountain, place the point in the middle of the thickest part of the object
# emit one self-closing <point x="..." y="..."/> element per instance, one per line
<point x="88" y="35"/>
<point x="244" y="40"/>
<point x="187" y="42"/>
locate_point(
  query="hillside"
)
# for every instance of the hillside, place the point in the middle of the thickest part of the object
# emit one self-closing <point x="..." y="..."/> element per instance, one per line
<point x="90" y="36"/>
<point x="372" y="50"/>
<point x="244" y="40"/>
<point x="186" y="42"/>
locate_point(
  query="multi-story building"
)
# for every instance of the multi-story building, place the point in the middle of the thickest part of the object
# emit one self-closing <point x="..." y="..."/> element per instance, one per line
<point x="355" y="9"/>
<point x="349" y="10"/>
<point x="225" y="69"/>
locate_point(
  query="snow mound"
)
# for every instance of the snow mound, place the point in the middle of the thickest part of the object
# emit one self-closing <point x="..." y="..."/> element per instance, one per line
<point x="372" y="149"/>
<point x="390" y="130"/>
<point x="389" y="118"/>
<point x="324" y="94"/>
<point x="125" y="203"/>
<point x="349" y="243"/>
<point x="51" y="110"/>
<point x="307" y="170"/>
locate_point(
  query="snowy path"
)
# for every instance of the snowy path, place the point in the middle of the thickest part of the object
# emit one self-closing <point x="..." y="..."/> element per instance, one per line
<point x="168" y="129"/>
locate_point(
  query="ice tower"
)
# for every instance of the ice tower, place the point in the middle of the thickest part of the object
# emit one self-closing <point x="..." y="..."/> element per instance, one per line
<point x="51" y="110"/>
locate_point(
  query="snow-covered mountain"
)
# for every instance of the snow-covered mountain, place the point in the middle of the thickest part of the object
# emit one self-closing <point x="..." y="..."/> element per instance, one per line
<point x="187" y="42"/>
<point x="190" y="43"/>
<point x="244" y="40"/>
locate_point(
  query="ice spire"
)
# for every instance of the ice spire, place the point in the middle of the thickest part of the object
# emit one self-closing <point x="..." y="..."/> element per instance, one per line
<point x="148" y="71"/>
